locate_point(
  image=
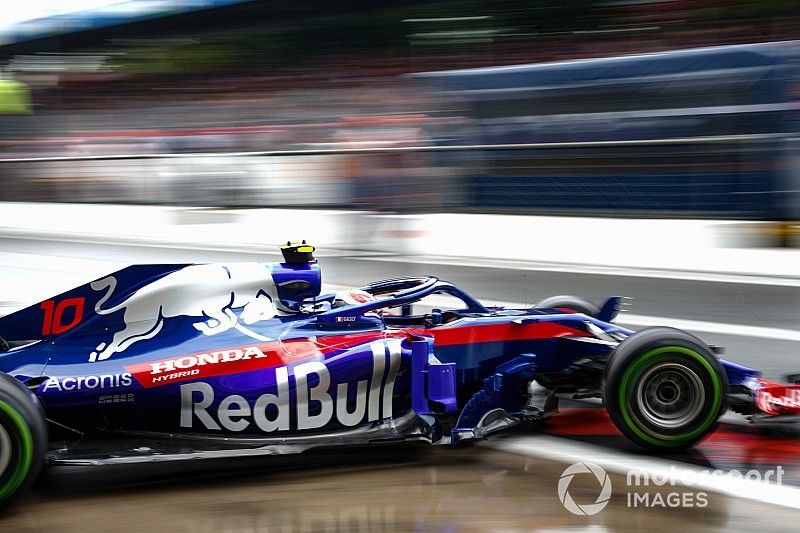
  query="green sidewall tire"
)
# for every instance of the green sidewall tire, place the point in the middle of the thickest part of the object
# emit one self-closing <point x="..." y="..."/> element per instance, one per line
<point x="22" y="453"/>
<point x="640" y="352"/>
<point x="22" y="419"/>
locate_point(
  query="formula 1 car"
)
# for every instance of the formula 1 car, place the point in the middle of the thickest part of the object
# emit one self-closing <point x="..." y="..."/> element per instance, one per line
<point x="169" y="362"/>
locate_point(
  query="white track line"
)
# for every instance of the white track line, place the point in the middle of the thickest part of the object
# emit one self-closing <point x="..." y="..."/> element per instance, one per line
<point x="565" y="451"/>
<point x="718" y="277"/>
<point x="710" y="327"/>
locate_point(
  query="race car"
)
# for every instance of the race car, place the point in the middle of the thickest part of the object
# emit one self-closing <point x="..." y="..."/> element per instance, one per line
<point x="185" y="361"/>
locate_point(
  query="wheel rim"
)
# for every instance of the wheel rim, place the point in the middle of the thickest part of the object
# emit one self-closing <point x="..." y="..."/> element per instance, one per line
<point x="670" y="395"/>
<point x="5" y="450"/>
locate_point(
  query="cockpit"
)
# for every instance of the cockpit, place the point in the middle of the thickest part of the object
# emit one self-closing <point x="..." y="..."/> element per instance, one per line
<point x="400" y="302"/>
<point x="397" y="302"/>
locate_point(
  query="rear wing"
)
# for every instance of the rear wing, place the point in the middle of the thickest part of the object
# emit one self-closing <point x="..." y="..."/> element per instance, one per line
<point x="62" y="313"/>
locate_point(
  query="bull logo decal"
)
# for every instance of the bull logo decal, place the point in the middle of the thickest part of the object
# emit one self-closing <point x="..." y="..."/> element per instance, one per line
<point x="209" y="292"/>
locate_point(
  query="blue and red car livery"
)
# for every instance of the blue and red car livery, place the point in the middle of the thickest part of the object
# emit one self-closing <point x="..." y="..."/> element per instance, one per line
<point x="251" y="358"/>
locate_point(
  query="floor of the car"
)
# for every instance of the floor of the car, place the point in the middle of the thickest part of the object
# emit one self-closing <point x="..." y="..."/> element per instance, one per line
<point x="119" y="448"/>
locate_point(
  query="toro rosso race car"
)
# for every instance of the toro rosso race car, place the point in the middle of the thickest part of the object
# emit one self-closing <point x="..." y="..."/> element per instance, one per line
<point x="168" y="362"/>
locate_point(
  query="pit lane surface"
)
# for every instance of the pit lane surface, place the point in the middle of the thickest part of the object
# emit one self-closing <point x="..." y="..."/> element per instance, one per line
<point x="392" y="489"/>
<point x="34" y="269"/>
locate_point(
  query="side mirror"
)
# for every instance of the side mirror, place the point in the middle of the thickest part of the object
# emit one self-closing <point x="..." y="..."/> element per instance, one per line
<point x="434" y="318"/>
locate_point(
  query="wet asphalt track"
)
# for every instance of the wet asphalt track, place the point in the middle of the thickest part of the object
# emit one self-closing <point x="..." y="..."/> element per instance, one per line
<point x="469" y="489"/>
<point x="417" y="489"/>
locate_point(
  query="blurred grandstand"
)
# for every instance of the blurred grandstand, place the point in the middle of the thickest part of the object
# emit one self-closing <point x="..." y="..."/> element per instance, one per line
<point x="324" y="105"/>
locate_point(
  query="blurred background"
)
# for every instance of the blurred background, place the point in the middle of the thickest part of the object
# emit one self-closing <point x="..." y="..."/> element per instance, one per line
<point x="647" y="148"/>
<point x="623" y="108"/>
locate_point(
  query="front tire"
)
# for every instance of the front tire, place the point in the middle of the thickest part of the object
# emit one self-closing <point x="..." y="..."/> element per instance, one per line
<point x="664" y="389"/>
<point x="23" y="439"/>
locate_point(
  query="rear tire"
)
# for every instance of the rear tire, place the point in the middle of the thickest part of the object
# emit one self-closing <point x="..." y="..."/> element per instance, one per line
<point x="664" y="389"/>
<point x="23" y="439"/>
<point x="570" y="304"/>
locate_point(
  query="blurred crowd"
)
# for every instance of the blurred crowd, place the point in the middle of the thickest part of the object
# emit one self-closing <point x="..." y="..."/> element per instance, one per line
<point x="324" y="82"/>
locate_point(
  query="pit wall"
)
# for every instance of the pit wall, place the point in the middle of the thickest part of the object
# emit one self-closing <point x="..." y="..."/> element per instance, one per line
<point x="665" y="244"/>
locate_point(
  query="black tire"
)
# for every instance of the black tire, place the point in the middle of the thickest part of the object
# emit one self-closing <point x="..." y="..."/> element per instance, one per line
<point x="23" y="439"/>
<point x="570" y="303"/>
<point x="664" y="389"/>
